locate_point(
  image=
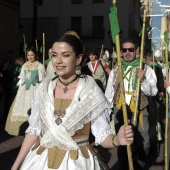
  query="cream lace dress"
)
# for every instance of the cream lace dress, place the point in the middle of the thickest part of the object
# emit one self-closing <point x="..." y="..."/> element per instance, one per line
<point x="20" y="108"/>
<point x="41" y="158"/>
<point x="65" y="146"/>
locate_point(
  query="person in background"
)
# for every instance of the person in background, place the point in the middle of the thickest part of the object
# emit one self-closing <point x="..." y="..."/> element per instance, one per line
<point x="131" y="72"/>
<point x="49" y="69"/>
<point x="156" y="105"/>
<point x="7" y="78"/>
<point x="106" y="59"/>
<point x="49" y="58"/>
<point x="10" y="73"/>
<point x="64" y="110"/>
<point x="137" y="52"/>
<point x="32" y="73"/>
<point x="84" y="67"/>
<point x="114" y="58"/>
<point x="17" y="69"/>
<point x="158" y="59"/>
<point x="99" y="69"/>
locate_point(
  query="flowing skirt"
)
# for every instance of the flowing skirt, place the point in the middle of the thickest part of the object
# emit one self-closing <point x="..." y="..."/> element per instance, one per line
<point x="20" y="110"/>
<point x="40" y="162"/>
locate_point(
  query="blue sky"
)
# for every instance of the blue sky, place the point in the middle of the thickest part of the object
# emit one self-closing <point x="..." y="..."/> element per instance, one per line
<point x="156" y="20"/>
<point x="165" y="2"/>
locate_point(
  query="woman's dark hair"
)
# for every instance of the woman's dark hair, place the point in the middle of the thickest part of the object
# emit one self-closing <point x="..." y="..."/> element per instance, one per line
<point x="73" y="40"/>
<point x="34" y="51"/>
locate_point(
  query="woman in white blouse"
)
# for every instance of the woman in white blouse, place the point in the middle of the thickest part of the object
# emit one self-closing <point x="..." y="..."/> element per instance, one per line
<point x="65" y="108"/>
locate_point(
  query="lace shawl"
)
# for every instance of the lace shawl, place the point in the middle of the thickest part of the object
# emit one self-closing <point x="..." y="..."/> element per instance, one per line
<point x="88" y="103"/>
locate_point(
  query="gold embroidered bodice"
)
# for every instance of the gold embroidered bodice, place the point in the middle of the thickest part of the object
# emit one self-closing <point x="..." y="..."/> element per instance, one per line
<point x="55" y="154"/>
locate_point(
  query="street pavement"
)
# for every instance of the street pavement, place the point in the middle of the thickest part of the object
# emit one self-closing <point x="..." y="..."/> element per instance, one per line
<point x="10" y="145"/>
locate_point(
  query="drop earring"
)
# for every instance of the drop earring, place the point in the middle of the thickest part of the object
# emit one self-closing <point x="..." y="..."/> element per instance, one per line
<point x="78" y="69"/>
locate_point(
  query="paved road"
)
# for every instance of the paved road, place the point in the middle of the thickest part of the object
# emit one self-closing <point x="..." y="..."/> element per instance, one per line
<point x="10" y="145"/>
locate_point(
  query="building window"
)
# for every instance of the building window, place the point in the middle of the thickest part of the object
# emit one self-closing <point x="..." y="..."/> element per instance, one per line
<point x="76" y="2"/>
<point x="97" y="26"/>
<point x="76" y="24"/>
<point x="98" y="1"/>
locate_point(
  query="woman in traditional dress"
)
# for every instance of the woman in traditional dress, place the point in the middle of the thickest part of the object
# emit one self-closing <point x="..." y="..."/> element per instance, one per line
<point x="32" y="73"/>
<point x="65" y="107"/>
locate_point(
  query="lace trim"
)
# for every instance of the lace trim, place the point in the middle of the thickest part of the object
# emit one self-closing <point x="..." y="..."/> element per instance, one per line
<point x="101" y="137"/>
<point x="90" y="116"/>
<point x="80" y="113"/>
<point x="33" y="131"/>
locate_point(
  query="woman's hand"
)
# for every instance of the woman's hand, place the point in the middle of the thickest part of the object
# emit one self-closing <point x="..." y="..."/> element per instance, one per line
<point x="124" y="135"/>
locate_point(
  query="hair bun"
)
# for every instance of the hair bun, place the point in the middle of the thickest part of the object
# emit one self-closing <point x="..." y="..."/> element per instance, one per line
<point x="72" y="33"/>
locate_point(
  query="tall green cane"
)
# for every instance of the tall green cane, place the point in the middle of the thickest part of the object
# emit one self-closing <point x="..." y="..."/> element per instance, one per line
<point x="140" y="66"/>
<point x="115" y="37"/>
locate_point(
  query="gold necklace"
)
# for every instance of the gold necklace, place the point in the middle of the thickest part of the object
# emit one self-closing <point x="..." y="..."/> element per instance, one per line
<point x="65" y="89"/>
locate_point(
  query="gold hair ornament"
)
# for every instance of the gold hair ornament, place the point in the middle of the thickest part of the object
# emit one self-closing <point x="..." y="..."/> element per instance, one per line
<point x="72" y="33"/>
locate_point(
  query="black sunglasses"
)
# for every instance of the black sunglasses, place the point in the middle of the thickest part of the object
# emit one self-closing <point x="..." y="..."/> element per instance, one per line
<point x="124" y="50"/>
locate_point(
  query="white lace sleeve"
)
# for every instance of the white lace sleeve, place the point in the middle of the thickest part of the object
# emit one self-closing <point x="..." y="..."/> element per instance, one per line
<point x="100" y="127"/>
<point x="34" y="120"/>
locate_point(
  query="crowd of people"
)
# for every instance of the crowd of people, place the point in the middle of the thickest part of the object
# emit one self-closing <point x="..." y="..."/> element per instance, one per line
<point x="58" y="104"/>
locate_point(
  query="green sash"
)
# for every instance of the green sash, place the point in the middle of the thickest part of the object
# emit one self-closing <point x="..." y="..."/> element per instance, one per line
<point x="32" y="80"/>
<point x="133" y="63"/>
<point x="155" y="64"/>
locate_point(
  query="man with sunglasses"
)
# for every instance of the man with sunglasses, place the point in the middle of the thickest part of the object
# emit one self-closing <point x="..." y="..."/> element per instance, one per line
<point x="131" y="72"/>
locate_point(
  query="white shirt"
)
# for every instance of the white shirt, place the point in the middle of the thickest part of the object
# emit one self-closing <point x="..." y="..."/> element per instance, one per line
<point x="148" y="86"/>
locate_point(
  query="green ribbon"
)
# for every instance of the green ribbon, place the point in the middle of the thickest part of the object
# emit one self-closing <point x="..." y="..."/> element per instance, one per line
<point x="133" y="64"/>
<point x="128" y="79"/>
